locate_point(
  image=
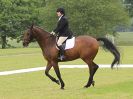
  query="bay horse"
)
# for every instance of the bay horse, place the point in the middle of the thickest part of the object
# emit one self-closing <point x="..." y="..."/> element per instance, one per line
<point x="86" y="48"/>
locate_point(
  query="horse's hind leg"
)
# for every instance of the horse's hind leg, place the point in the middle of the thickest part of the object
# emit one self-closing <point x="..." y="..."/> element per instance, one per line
<point x="92" y="70"/>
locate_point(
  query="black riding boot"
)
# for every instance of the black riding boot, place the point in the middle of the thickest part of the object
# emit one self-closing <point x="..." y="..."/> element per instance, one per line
<point x="61" y="53"/>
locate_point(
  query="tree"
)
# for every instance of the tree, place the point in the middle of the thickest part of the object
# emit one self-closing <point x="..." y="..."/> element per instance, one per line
<point x="129" y="6"/>
<point x="92" y="17"/>
<point x="16" y="15"/>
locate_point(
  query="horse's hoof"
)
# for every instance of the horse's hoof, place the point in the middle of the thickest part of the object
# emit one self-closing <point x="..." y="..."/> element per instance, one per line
<point x="86" y="86"/>
<point x="58" y="82"/>
<point x="93" y="83"/>
<point x="62" y="88"/>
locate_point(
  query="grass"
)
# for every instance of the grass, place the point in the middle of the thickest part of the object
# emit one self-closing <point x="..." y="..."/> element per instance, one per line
<point x="125" y="38"/>
<point x="14" y="44"/>
<point x="110" y="84"/>
<point x="19" y="58"/>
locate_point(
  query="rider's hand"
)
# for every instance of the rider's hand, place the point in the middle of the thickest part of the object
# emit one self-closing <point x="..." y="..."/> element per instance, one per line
<point x="53" y="33"/>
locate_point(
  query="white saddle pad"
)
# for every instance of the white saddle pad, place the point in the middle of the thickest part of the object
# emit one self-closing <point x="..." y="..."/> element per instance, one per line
<point x="70" y="43"/>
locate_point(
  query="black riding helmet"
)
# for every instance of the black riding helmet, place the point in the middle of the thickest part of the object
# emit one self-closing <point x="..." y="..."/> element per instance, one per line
<point x="61" y="10"/>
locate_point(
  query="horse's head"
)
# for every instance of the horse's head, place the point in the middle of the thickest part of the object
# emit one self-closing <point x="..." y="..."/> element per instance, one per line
<point x="28" y="36"/>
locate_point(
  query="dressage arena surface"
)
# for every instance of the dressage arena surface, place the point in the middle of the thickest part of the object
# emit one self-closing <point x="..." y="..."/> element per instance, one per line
<point x="2" y="73"/>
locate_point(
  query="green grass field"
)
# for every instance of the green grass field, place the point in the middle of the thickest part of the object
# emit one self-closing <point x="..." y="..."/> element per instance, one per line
<point x="125" y="38"/>
<point x="110" y="84"/>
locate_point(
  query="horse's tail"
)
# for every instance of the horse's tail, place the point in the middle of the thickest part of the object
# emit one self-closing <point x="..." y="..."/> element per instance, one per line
<point x="112" y="48"/>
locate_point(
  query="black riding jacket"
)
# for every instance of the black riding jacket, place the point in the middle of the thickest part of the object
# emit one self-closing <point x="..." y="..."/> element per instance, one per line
<point x="62" y="28"/>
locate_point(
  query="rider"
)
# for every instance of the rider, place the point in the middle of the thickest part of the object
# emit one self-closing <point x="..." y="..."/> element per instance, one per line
<point x="62" y="30"/>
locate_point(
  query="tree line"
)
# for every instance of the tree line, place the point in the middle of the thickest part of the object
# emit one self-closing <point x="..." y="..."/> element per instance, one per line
<point x="86" y="17"/>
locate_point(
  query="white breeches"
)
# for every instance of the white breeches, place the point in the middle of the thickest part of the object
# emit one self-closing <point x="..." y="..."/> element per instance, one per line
<point x="61" y="40"/>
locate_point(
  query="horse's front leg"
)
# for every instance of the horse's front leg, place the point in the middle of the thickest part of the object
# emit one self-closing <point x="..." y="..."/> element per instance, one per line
<point x="48" y="67"/>
<point x="57" y="71"/>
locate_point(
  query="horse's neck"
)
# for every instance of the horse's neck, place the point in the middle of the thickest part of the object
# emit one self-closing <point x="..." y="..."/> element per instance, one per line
<point x="43" y="38"/>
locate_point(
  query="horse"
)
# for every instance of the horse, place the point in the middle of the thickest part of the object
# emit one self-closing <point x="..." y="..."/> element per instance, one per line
<point x="86" y="48"/>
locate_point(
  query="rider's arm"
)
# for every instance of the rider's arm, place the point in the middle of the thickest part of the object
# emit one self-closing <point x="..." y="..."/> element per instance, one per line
<point x="60" y="25"/>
